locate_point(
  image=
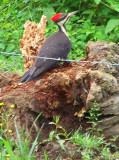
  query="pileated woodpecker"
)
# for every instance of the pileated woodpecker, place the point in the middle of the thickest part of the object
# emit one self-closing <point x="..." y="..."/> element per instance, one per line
<point x="57" y="46"/>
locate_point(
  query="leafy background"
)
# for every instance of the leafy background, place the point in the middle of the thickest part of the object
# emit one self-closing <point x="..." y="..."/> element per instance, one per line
<point x="97" y="20"/>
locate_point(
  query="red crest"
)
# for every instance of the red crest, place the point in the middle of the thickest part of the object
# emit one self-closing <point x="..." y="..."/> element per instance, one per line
<point x="56" y="17"/>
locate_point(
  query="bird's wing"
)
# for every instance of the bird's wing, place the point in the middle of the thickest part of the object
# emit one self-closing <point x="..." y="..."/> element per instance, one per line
<point x="54" y="47"/>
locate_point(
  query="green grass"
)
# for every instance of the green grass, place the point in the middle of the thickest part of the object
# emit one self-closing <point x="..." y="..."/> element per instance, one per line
<point x="90" y="146"/>
<point x="20" y="149"/>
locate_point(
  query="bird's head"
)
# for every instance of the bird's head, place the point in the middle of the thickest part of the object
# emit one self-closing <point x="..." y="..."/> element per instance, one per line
<point x="62" y="18"/>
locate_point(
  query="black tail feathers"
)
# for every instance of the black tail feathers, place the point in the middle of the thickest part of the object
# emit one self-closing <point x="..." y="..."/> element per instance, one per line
<point x="24" y="77"/>
<point x="27" y="77"/>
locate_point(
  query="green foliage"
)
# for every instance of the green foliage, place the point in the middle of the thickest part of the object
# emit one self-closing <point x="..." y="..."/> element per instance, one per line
<point x="91" y="145"/>
<point x="87" y="140"/>
<point x="97" y="20"/>
<point x="88" y="143"/>
<point x="112" y="23"/>
<point x="94" y="115"/>
<point x="11" y="64"/>
<point x="21" y="150"/>
<point x="57" y="133"/>
<point x="8" y="147"/>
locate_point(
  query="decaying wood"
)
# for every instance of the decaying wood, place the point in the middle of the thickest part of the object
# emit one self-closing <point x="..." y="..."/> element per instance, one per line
<point x="33" y="38"/>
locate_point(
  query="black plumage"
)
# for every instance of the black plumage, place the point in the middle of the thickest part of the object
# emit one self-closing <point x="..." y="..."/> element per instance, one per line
<point x="57" y="45"/>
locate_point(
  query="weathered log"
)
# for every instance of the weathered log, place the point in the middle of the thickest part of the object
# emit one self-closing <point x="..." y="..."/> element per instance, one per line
<point x="68" y="90"/>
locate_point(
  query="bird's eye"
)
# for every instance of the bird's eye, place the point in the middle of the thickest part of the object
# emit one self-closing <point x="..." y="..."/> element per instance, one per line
<point x="64" y="16"/>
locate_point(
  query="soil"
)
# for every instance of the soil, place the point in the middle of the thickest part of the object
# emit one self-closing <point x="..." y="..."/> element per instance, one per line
<point x="23" y="115"/>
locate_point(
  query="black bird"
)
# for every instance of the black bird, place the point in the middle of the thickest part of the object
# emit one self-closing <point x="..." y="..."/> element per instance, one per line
<point x="56" y="46"/>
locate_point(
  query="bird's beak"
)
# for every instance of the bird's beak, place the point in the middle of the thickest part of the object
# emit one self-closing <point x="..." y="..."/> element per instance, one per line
<point x="72" y="13"/>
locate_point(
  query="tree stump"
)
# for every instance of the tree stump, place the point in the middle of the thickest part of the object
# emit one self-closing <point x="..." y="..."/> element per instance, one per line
<point x="33" y="39"/>
<point x="67" y="91"/>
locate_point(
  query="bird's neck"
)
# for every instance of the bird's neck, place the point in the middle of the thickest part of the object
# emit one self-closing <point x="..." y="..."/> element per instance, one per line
<point x="63" y="29"/>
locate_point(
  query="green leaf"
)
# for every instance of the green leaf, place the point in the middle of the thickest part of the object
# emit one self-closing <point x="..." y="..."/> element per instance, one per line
<point x="82" y="37"/>
<point x="51" y="135"/>
<point x="51" y="123"/>
<point x="97" y="1"/>
<point x="10" y="48"/>
<point x="87" y="12"/>
<point x="61" y="143"/>
<point x="82" y="44"/>
<point x="116" y="7"/>
<point x="1" y="33"/>
<point x="9" y="149"/>
<point x="112" y="23"/>
<point x="100" y="36"/>
<point x="2" y="46"/>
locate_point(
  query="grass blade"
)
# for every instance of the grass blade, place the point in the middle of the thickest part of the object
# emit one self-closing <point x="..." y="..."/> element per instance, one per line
<point x="19" y="139"/>
<point x="35" y="121"/>
<point x="45" y="155"/>
<point x="35" y="142"/>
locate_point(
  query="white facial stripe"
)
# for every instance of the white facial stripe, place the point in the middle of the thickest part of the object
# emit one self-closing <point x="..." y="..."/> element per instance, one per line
<point x="63" y="29"/>
<point x="63" y="21"/>
<point x="61" y="25"/>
